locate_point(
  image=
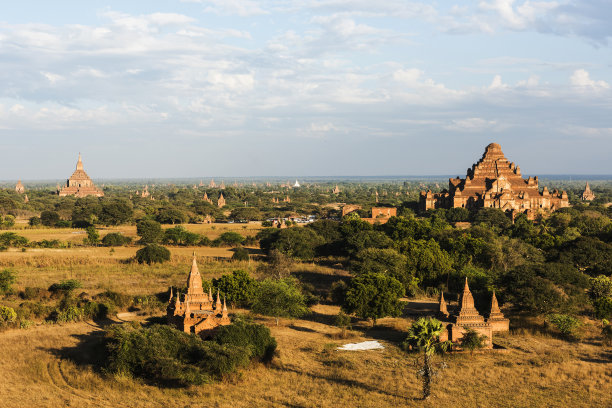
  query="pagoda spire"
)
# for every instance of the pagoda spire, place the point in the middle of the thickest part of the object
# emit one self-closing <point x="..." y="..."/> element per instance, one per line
<point x="224" y="314"/>
<point x="171" y="295"/>
<point x="443" y="310"/>
<point x="494" y="305"/>
<point x="79" y="165"/>
<point x="218" y="304"/>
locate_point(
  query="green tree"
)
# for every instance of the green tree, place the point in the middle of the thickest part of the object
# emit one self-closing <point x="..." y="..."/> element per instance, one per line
<point x="116" y="212"/>
<point x="424" y="335"/>
<point x="7" y="315"/>
<point x="7" y="278"/>
<point x="171" y="215"/>
<point x="34" y="221"/>
<point x="149" y="231"/>
<point x="372" y="296"/>
<point x="343" y="321"/>
<point x="600" y="293"/>
<point x="387" y="261"/>
<point x="279" y="298"/>
<point x="238" y="288"/>
<point x="230" y="238"/>
<point x="565" y="324"/>
<point x="472" y="340"/>
<point x="49" y="218"/>
<point x="115" y="239"/>
<point x="246" y="213"/>
<point x="180" y="236"/>
<point x="93" y="236"/>
<point x="425" y="259"/>
<point x="152" y="253"/>
<point x="297" y="242"/>
<point x="278" y="266"/>
<point x="240" y="254"/>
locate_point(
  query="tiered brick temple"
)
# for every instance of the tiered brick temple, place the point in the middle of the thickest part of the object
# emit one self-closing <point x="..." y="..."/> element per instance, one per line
<point x="197" y="313"/>
<point x="468" y="317"/>
<point x="79" y="184"/>
<point x="587" y="194"/>
<point x="19" y="188"/>
<point x="495" y="182"/>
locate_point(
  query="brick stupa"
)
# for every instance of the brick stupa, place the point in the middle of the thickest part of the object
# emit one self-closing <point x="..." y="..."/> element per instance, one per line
<point x="79" y="184"/>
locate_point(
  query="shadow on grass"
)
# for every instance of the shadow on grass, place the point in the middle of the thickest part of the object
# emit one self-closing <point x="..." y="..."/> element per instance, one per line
<point x="346" y="382"/>
<point x="302" y="329"/>
<point x="90" y="351"/>
<point x="320" y="282"/>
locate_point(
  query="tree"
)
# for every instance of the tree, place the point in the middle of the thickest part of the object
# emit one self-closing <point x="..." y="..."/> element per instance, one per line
<point x="424" y="335"/>
<point x="425" y="259"/>
<point x="367" y="239"/>
<point x="149" y="231"/>
<point x="49" y="218"/>
<point x="246" y="213"/>
<point x="240" y="254"/>
<point x="152" y="253"/>
<point x="180" y="236"/>
<point x="279" y="265"/>
<point x="472" y="340"/>
<point x="115" y="239"/>
<point x="600" y="293"/>
<point x="297" y="243"/>
<point x="93" y="236"/>
<point x="237" y="288"/>
<point x="7" y="278"/>
<point x="372" y="296"/>
<point x="171" y="215"/>
<point x="565" y="324"/>
<point x="230" y="238"/>
<point x="342" y="321"/>
<point x="7" y="315"/>
<point x="34" y="221"/>
<point x="387" y="261"/>
<point x="279" y="298"/>
<point x="116" y="212"/>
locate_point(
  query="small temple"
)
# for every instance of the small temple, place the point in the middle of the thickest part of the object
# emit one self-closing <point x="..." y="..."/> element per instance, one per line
<point x="198" y="313"/>
<point x="587" y="194"/>
<point x="467" y="317"/>
<point x="79" y="184"/>
<point x="221" y="201"/>
<point x="19" y="188"/>
<point x="495" y="182"/>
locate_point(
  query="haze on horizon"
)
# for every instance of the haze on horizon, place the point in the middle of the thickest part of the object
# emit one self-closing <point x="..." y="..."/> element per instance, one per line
<point x="238" y="88"/>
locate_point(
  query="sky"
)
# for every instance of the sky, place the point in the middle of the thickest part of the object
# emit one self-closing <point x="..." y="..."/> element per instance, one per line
<point x="230" y="88"/>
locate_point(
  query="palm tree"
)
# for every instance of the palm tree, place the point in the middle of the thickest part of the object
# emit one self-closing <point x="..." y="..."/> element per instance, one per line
<point x="424" y="335"/>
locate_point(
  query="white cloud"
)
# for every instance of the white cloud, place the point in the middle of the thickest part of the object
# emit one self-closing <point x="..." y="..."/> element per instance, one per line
<point x="472" y="125"/>
<point x="242" y="8"/>
<point x="581" y="78"/>
<point x="497" y="84"/>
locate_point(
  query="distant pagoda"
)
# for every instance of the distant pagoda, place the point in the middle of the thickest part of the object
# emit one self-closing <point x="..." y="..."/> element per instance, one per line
<point x="587" y="194"/>
<point x="79" y="184"/>
<point x="19" y="188"/>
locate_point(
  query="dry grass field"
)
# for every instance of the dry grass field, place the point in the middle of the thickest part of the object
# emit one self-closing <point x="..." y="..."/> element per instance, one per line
<point x="52" y="365"/>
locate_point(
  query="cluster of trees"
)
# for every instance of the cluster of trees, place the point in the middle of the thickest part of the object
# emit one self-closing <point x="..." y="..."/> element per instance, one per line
<point x="538" y="268"/>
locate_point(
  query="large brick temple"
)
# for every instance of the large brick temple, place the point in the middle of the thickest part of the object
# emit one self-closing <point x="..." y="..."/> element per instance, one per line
<point x="79" y="184"/>
<point x="497" y="183"/>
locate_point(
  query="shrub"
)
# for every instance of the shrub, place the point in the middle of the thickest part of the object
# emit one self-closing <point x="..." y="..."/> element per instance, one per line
<point x="149" y="231"/>
<point x="68" y="314"/>
<point x="163" y="355"/>
<point x="30" y="293"/>
<point x="230" y="238"/>
<point x="240" y="254"/>
<point x="118" y="299"/>
<point x="342" y="321"/>
<point x="115" y="239"/>
<point x="279" y="298"/>
<point x="565" y="324"/>
<point x="472" y="340"/>
<point x="34" y="221"/>
<point x="372" y="296"/>
<point x="49" y="218"/>
<point x="65" y="286"/>
<point x="152" y="253"/>
<point x="255" y="337"/>
<point x="7" y="278"/>
<point x="7" y="315"/>
<point x="95" y="310"/>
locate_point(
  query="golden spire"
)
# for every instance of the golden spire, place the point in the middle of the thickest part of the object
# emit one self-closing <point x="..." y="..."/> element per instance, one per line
<point x="79" y="165"/>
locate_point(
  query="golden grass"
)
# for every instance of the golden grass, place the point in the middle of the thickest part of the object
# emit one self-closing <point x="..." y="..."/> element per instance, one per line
<point x="76" y="235"/>
<point x="42" y="367"/>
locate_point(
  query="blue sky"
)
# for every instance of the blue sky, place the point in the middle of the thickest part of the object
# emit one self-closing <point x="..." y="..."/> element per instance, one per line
<point x="198" y="88"/>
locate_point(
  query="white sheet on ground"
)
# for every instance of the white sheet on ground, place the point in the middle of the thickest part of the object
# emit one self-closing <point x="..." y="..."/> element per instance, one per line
<point x="364" y="345"/>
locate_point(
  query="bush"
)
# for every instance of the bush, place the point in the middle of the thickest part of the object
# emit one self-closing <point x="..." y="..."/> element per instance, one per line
<point x="240" y="254"/>
<point x="255" y="337"/>
<point x="565" y="324"/>
<point x="49" y="218"/>
<point x="279" y="298"/>
<point x="95" y="310"/>
<point x="152" y="253"/>
<point x="65" y="286"/>
<point x="7" y="278"/>
<point x="165" y="356"/>
<point x="7" y="315"/>
<point x="472" y="340"/>
<point x="68" y="314"/>
<point x="115" y="239"/>
<point x="30" y="293"/>
<point x="34" y="221"/>
<point x="149" y="231"/>
<point x="230" y="238"/>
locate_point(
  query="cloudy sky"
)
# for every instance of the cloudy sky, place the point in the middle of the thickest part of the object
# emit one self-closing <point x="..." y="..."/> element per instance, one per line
<point x="197" y="88"/>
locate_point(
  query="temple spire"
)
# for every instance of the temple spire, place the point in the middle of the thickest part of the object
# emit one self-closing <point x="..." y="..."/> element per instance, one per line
<point x="218" y="304"/>
<point x="443" y="310"/>
<point x="171" y="296"/>
<point x="224" y="314"/>
<point x="79" y="165"/>
<point x="494" y="305"/>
